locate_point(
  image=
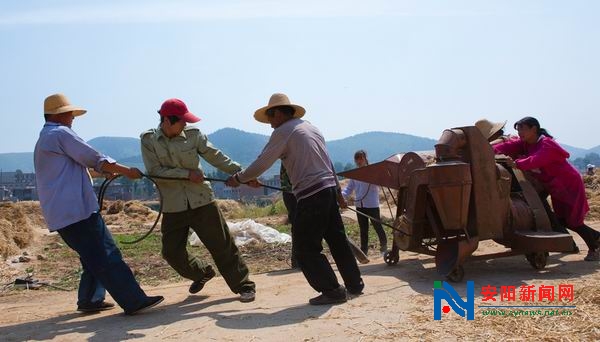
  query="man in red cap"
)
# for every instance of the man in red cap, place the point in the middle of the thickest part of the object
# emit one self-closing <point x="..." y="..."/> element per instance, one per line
<point x="173" y="150"/>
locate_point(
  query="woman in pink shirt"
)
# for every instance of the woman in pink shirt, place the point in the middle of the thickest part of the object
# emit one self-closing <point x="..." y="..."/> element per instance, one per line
<point x="537" y="152"/>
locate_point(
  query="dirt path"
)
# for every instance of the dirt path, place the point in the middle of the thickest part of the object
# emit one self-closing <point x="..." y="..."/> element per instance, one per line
<point x="397" y="305"/>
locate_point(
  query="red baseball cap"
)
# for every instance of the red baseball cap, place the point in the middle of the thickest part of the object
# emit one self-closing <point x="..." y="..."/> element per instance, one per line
<point x="176" y="107"/>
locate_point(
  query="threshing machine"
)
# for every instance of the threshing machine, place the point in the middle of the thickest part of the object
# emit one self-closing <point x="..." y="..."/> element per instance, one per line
<point x="464" y="196"/>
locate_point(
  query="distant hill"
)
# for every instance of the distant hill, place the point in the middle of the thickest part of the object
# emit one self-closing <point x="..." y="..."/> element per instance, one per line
<point x="378" y="145"/>
<point x="241" y="146"/>
<point x="244" y="147"/>
<point x="576" y="152"/>
<point x="595" y="149"/>
<point x="117" y="147"/>
<point x="16" y="161"/>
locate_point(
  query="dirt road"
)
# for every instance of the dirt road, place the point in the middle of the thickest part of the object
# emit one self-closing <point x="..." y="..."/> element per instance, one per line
<point x="397" y="305"/>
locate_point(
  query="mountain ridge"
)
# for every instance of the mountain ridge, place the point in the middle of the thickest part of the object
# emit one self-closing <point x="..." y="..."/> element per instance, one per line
<point x="244" y="147"/>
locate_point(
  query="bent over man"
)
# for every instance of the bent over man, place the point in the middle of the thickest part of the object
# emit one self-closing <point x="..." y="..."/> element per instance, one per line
<point x="301" y="148"/>
<point x="173" y="151"/>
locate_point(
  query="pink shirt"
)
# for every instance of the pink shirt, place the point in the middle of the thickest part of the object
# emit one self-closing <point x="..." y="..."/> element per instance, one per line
<point x="547" y="161"/>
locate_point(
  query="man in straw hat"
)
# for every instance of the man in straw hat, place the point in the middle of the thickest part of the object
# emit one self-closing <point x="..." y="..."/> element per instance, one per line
<point x="492" y="131"/>
<point x="301" y="147"/>
<point x="173" y="150"/>
<point x="70" y="208"/>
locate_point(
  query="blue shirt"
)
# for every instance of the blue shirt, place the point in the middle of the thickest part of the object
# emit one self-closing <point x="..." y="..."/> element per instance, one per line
<point x="61" y="159"/>
<point x="367" y="195"/>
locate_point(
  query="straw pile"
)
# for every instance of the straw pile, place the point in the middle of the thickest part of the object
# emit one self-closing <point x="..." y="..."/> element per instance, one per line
<point x="592" y="192"/>
<point x="418" y="324"/>
<point x="592" y="182"/>
<point x="17" y="223"/>
<point x="126" y="214"/>
<point x="229" y="208"/>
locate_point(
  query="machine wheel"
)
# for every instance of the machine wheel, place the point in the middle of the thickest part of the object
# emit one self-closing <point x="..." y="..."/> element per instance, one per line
<point x="457" y="274"/>
<point x="537" y="260"/>
<point x="391" y="257"/>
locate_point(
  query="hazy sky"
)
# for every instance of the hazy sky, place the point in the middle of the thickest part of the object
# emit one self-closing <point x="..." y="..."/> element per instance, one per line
<point x="414" y="67"/>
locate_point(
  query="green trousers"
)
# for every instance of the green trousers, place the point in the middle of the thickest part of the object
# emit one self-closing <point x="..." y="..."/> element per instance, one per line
<point x="210" y="226"/>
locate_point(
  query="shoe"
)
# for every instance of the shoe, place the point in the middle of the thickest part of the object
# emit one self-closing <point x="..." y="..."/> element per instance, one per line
<point x="336" y="296"/>
<point x="198" y="285"/>
<point x="322" y="299"/>
<point x="95" y="307"/>
<point x="356" y="290"/>
<point x="150" y="302"/>
<point x="247" y="296"/>
<point x="593" y="255"/>
<point x="575" y="249"/>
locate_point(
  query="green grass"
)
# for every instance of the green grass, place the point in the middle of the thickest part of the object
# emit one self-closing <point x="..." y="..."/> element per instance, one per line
<point x="144" y="258"/>
<point x="149" y="246"/>
<point x="353" y="232"/>
<point x="252" y="211"/>
<point x="283" y="228"/>
<point x="63" y="268"/>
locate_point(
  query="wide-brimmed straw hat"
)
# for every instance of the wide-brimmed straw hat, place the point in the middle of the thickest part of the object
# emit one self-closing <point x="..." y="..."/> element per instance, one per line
<point x="488" y="128"/>
<point x="59" y="103"/>
<point x="277" y="100"/>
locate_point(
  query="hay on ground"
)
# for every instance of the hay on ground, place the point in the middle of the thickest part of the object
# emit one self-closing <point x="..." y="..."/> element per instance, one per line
<point x="16" y="229"/>
<point x="229" y="208"/>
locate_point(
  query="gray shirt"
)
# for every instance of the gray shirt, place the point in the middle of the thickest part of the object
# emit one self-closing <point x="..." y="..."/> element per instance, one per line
<point x="301" y="148"/>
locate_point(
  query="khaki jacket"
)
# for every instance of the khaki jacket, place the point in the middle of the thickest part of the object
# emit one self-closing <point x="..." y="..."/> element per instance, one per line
<point x="175" y="157"/>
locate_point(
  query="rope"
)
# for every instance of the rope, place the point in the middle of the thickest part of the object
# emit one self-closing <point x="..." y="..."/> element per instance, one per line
<point x="391" y="194"/>
<point x="107" y="182"/>
<point x="388" y="202"/>
<point x="153" y="179"/>
<point x="379" y="221"/>
<point x="105" y="185"/>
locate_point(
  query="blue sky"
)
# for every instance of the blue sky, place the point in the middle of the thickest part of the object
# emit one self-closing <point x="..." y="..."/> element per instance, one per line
<point x="414" y="67"/>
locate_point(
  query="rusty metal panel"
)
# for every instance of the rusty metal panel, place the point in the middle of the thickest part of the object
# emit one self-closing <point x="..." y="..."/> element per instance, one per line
<point x="450" y="188"/>
<point x="394" y="172"/>
<point x="542" y="241"/>
<point x="460" y="199"/>
<point x="521" y="218"/>
<point x="488" y="212"/>
<point x="542" y="222"/>
<point x="414" y="217"/>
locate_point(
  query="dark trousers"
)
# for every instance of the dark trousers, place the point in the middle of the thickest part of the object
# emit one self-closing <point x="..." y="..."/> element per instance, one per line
<point x="212" y="230"/>
<point x="103" y="265"/>
<point x="363" y="223"/>
<point x="289" y="200"/>
<point x="317" y="218"/>
<point x="587" y="233"/>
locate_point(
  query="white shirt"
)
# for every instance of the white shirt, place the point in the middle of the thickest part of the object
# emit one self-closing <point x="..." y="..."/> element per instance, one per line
<point x="366" y="195"/>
